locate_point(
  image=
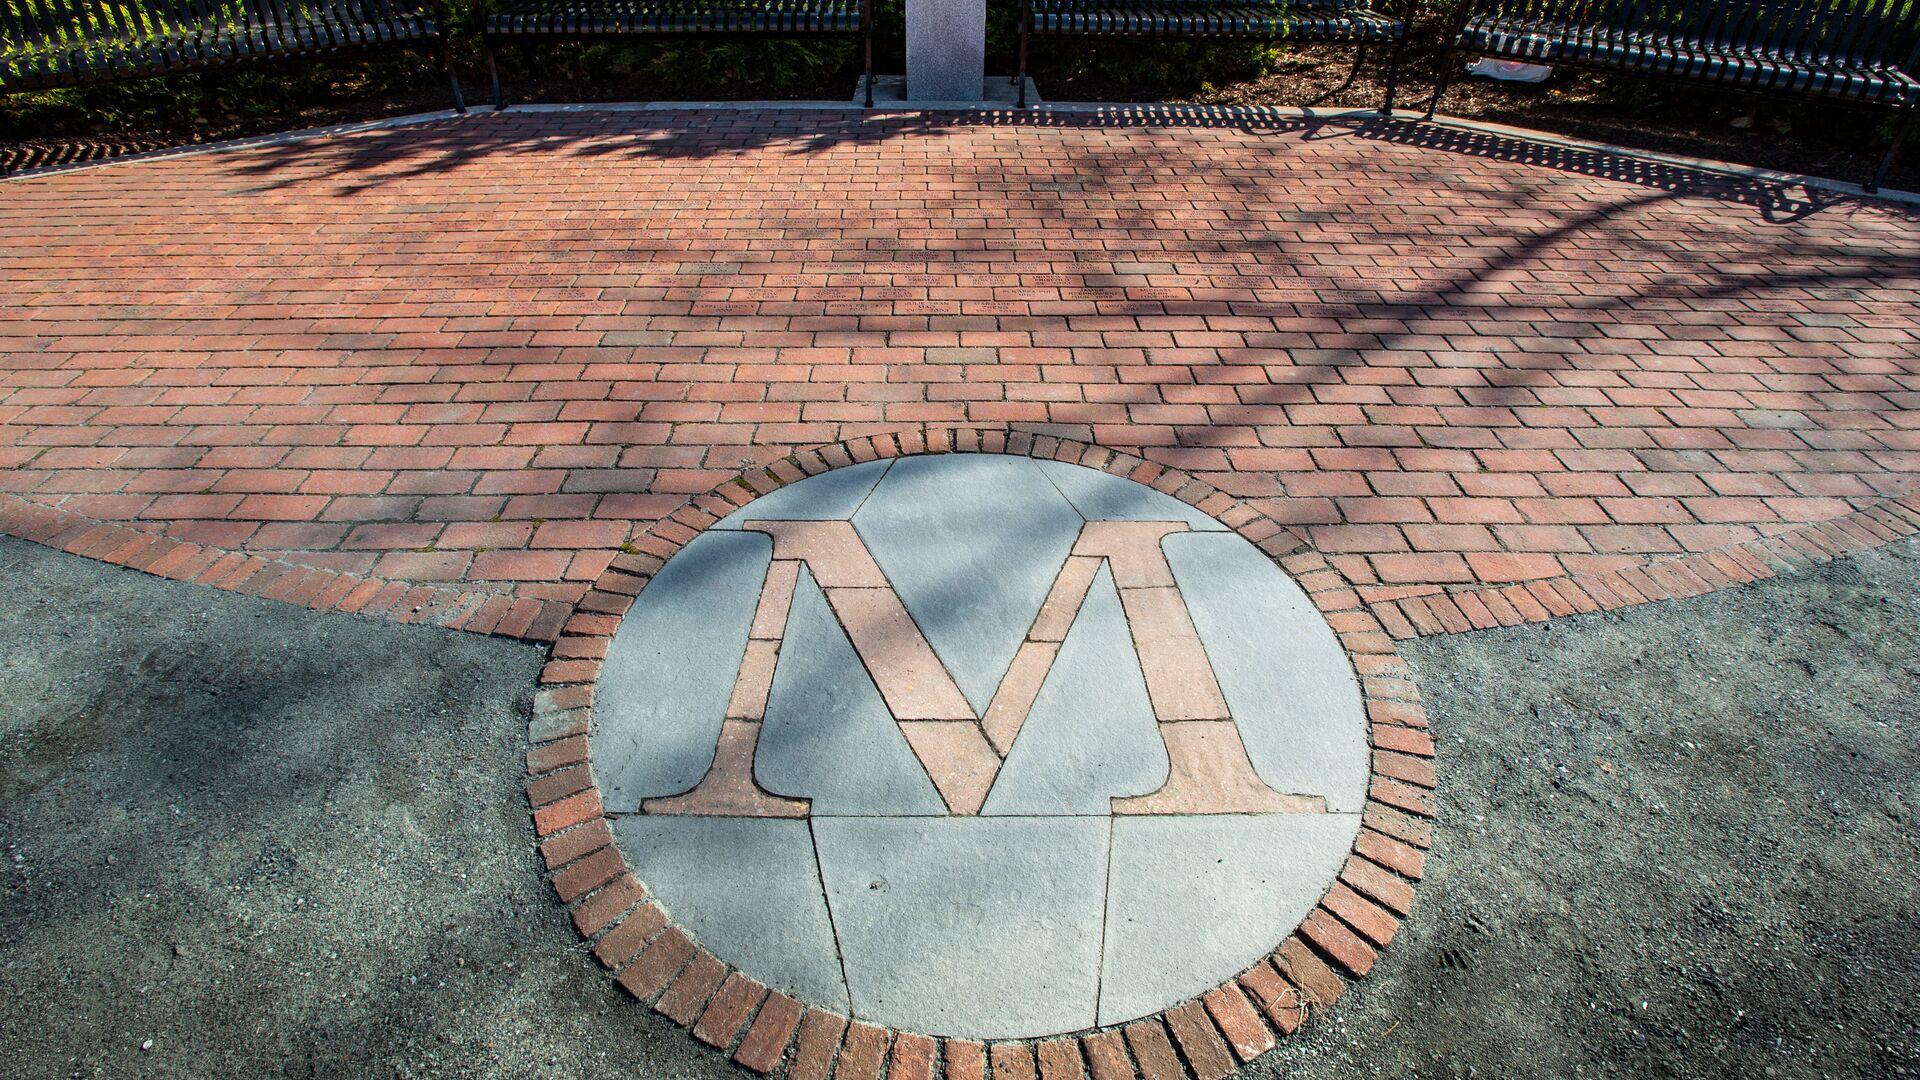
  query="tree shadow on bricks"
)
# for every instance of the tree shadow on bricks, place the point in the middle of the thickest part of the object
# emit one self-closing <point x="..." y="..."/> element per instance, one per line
<point x="1429" y="299"/>
<point x="591" y="132"/>
<point x="1408" y="316"/>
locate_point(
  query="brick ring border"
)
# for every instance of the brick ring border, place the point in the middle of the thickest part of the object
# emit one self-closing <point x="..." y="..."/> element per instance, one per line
<point x="661" y="965"/>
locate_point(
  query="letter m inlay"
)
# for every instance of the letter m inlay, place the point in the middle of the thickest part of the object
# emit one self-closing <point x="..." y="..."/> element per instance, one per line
<point x="1208" y="768"/>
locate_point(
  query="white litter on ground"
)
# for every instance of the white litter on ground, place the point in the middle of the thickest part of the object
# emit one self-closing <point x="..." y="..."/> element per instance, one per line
<point x="1510" y="70"/>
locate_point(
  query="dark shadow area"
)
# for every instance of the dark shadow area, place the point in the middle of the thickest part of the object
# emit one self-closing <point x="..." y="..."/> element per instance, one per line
<point x="1811" y="135"/>
<point x="104" y="119"/>
<point x="19" y="157"/>
<point x="1098" y="186"/>
<point x="1778" y="202"/>
<point x="586" y="131"/>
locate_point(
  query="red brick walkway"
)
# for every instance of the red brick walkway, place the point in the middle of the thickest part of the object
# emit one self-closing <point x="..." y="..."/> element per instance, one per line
<point x="487" y="353"/>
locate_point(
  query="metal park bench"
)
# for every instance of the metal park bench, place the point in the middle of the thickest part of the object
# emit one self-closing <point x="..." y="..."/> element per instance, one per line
<point x="1858" y="50"/>
<point x="1356" y="21"/>
<point x="52" y="43"/>
<point x="593" y="18"/>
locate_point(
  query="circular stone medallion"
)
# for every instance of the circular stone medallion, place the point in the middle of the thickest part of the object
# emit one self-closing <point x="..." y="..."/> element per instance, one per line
<point x="980" y="746"/>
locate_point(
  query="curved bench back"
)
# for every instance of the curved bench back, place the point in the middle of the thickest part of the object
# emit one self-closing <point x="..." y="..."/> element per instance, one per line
<point x="56" y="42"/>
<point x="585" y="17"/>
<point x="1848" y="33"/>
<point x="1199" y="7"/>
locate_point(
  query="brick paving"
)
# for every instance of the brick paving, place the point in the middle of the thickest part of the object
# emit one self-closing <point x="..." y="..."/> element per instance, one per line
<point x="477" y="357"/>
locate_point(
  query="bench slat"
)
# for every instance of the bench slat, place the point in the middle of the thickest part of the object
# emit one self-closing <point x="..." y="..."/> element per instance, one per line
<point x="1273" y="20"/>
<point x="575" y="18"/>
<point x="50" y="43"/>
<point x="1864" y="34"/>
<point x="1844" y="68"/>
<point x="1865" y="51"/>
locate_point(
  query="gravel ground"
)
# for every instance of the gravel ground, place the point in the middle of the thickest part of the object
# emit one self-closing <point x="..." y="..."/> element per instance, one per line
<point x="1675" y="841"/>
<point x="243" y="839"/>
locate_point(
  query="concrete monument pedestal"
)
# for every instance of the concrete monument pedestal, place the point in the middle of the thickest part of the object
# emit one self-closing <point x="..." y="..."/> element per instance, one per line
<point x="946" y="49"/>
<point x="890" y="91"/>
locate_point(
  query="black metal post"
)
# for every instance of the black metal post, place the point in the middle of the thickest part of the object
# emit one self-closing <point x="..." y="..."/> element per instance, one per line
<point x="866" y="23"/>
<point x="1900" y="131"/>
<point x="445" y="56"/>
<point x="1893" y="149"/>
<point x="493" y="72"/>
<point x="1440" y="81"/>
<point x="453" y="77"/>
<point x="1026" y="30"/>
<point x="1393" y="77"/>
<point x="1359" y="59"/>
<point x="1445" y="74"/>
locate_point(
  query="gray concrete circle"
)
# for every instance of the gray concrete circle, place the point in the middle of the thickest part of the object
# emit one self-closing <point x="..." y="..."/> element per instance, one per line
<point x="980" y="746"/>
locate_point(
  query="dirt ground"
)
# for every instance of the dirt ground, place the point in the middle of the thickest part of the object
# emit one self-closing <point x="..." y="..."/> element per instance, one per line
<point x="243" y="839"/>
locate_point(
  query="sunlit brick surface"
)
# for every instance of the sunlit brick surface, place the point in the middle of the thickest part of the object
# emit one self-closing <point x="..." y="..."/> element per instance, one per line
<point x="489" y="351"/>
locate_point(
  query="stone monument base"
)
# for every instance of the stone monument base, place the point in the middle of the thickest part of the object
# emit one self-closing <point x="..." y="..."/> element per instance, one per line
<point x="891" y="91"/>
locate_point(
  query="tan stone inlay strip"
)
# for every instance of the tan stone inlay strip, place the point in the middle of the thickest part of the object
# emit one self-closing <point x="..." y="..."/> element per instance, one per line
<point x="910" y="676"/>
<point x="831" y="550"/>
<point x="1180" y="679"/>
<point x="1132" y="548"/>
<point x="957" y="757"/>
<point x="728" y="789"/>
<point x="1014" y="699"/>
<point x="755" y="682"/>
<point x="1064" y="599"/>
<point x="776" y="597"/>
<point x="1208" y="772"/>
